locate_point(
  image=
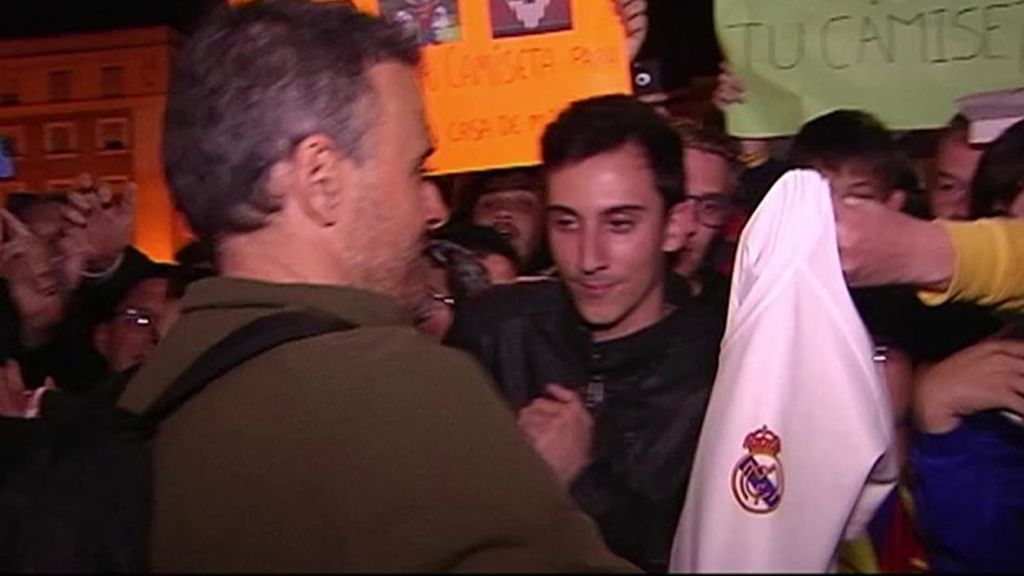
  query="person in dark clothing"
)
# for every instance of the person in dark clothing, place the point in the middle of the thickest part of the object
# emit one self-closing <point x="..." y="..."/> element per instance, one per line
<point x="68" y="262"/>
<point x="609" y="376"/>
<point x="31" y="418"/>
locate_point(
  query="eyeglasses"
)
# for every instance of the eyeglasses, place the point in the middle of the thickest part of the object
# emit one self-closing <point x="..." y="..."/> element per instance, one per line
<point x="713" y="210"/>
<point x="137" y="317"/>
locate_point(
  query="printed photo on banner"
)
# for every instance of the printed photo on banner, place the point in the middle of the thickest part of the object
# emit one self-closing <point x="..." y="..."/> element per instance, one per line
<point x="429" y="21"/>
<point x="525" y="17"/>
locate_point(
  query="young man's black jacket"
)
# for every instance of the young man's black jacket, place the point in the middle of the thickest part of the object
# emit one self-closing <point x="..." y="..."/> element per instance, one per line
<point x="647" y="393"/>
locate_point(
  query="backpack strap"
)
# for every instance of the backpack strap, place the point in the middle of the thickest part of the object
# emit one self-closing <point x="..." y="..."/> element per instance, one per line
<point x="247" y="342"/>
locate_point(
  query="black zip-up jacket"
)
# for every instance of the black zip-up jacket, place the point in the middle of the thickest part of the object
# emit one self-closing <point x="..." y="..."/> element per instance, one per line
<point x="647" y="393"/>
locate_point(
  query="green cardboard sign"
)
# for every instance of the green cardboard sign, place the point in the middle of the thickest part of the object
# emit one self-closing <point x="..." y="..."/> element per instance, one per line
<point x="906" y="61"/>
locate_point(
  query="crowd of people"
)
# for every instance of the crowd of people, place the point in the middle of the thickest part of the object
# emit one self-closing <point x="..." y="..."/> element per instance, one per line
<point x="521" y="359"/>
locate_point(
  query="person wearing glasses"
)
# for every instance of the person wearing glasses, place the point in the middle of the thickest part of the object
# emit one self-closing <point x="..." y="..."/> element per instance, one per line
<point x="712" y="167"/>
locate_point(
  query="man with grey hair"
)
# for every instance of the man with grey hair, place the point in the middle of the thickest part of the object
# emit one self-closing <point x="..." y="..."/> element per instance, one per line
<point x="295" y="142"/>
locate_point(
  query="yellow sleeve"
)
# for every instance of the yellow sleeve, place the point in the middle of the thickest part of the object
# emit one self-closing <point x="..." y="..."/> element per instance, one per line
<point x="989" y="267"/>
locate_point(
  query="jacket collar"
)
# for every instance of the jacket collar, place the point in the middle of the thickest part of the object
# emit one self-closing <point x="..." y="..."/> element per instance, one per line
<point x="360" y="307"/>
<point x="621" y="357"/>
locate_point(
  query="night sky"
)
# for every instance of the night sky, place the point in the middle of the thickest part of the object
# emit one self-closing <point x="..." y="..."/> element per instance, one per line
<point x="682" y="39"/>
<point x="20" y="18"/>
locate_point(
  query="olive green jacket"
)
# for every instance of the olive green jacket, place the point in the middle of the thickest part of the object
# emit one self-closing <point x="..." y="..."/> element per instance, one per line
<point x="367" y="450"/>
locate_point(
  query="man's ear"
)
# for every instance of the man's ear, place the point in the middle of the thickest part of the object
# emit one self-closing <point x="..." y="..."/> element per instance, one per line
<point x="897" y="200"/>
<point x="322" y="173"/>
<point x="101" y="338"/>
<point x="678" y="227"/>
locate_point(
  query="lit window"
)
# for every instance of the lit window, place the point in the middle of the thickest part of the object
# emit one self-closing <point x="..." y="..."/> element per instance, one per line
<point x="61" y="138"/>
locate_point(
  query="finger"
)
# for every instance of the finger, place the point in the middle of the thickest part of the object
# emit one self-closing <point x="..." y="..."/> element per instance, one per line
<point x="1014" y="401"/>
<point x="85" y="181"/>
<point x="95" y="205"/>
<point x="12" y="225"/>
<point x="542" y="407"/>
<point x="14" y="251"/>
<point x="1014" y="348"/>
<point x="561" y="393"/>
<point x="79" y="201"/>
<point x="635" y="8"/>
<point x="73" y="216"/>
<point x="1013" y="371"/>
<point x="637" y="24"/>
<point x="12" y="378"/>
<point x="547" y="407"/>
<point x="105" y="193"/>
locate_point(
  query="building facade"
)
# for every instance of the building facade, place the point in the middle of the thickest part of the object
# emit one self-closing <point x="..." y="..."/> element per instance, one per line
<point x="92" y="103"/>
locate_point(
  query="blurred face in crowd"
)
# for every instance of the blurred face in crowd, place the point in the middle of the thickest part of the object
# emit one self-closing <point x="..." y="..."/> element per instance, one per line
<point x="139" y="321"/>
<point x="949" y="189"/>
<point x="855" y="180"/>
<point x="436" y="312"/>
<point x="517" y="214"/>
<point x="710" y="184"/>
<point x="609" y="232"/>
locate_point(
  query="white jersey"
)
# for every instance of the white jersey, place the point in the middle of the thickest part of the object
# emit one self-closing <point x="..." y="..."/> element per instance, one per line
<point x="792" y="457"/>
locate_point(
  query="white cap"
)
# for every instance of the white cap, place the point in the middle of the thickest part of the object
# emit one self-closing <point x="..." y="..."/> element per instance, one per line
<point x="991" y="113"/>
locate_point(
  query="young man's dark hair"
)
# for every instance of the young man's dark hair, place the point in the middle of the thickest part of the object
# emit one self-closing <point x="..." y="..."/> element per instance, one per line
<point x="594" y="126"/>
<point x="292" y="73"/>
<point x="849" y="137"/>
<point x="1000" y="176"/>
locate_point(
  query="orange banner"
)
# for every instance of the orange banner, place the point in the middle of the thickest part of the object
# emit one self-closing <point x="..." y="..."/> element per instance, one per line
<point x="497" y="71"/>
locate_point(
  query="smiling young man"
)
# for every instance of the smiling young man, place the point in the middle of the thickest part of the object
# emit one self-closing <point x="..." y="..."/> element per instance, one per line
<point x="610" y="380"/>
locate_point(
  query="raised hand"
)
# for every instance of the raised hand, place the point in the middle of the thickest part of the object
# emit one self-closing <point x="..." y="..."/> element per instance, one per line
<point x="560" y="430"/>
<point x="99" y="227"/>
<point x="15" y="400"/>
<point x="879" y="246"/>
<point x="729" y="89"/>
<point x="33" y="280"/>
<point x="985" y="376"/>
<point x="633" y="14"/>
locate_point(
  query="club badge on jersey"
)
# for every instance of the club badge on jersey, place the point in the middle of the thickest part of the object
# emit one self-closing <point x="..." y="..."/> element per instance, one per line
<point x="757" y="479"/>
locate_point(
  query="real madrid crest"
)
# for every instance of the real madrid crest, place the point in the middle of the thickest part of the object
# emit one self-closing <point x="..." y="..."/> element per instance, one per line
<point x="757" y="481"/>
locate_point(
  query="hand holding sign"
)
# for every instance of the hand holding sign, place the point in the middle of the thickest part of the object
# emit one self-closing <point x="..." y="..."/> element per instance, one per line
<point x="633" y="14"/>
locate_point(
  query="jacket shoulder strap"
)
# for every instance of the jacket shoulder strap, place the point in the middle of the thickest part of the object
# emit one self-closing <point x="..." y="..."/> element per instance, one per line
<point x="247" y="342"/>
